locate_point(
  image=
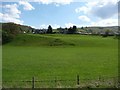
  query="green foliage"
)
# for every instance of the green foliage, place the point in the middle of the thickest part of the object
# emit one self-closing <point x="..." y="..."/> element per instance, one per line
<point x="10" y="30"/>
<point x="82" y="27"/>
<point x="49" y="29"/>
<point x="72" y="30"/>
<point x="6" y="37"/>
<point x="106" y="33"/>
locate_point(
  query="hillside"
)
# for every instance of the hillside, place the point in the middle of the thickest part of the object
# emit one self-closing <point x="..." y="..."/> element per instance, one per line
<point x="11" y="30"/>
<point x="37" y="40"/>
<point x="61" y="40"/>
<point x="18" y="27"/>
<point x="29" y="29"/>
<point x="99" y="30"/>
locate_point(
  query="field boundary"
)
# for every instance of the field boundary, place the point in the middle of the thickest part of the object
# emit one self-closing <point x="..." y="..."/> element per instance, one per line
<point x="112" y="82"/>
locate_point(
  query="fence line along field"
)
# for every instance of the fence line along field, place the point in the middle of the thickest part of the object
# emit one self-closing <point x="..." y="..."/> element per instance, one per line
<point x="63" y="56"/>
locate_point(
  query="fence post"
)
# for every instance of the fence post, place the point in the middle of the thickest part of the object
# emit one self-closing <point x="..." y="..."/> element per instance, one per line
<point x="33" y="82"/>
<point x="78" y="80"/>
<point x="56" y="81"/>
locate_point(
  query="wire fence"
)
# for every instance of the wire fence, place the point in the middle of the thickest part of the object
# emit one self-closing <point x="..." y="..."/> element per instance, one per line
<point x="62" y="83"/>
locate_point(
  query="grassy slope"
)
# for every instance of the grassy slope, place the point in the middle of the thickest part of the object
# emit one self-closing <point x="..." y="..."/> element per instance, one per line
<point x="36" y="55"/>
<point x="62" y="40"/>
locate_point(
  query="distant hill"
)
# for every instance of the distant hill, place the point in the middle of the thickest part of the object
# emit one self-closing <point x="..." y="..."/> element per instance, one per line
<point x="28" y="29"/>
<point x="16" y="27"/>
<point x="99" y="30"/>
<point x="10" y="30"/>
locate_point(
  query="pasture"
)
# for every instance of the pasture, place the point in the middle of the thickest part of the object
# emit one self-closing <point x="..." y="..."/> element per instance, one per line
<point x="47" y="57"/>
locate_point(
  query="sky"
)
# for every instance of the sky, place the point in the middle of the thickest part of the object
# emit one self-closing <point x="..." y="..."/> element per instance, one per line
<point x="60" y="13"/>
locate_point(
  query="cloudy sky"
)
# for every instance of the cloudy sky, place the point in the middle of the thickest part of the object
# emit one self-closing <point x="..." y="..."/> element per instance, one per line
<point x="64" y="13"/>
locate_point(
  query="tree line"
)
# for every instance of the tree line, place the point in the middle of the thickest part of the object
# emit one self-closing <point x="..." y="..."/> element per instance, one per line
<point x="71" y="30"/>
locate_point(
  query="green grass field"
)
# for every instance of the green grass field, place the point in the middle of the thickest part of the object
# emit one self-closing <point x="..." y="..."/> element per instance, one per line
<point x="47" y="57"/>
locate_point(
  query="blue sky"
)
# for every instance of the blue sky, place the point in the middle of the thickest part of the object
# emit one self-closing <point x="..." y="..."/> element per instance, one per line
<point x="64" y="13"/>
<point x="52" y="14"/>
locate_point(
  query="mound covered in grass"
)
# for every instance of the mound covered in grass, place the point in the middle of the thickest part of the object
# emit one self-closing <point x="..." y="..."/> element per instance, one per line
<point x="61" y="40"/>
<point x="38" y="40"/>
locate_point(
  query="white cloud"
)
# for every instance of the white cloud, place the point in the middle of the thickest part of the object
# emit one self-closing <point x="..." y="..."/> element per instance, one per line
<point x="104" y="12"/>
<point x="56" y="2"/>
<point x="69" y="25"/>
<point x="54" y="26"/>
<point x="99" y="8"/>
<point x="11" y="14"/>
<point x="84" y="18"/>
<point x="62" y="1"/>
<point x="107" y="22"/>
<point x="43" y="26"/>
<point x="12" y="10"/>
<point x="27" y="6"/>
<point x="8" y="18"/>
<point x="1" y="15"/>
<point x="59" y="0"/>
<point x="33" y="26"/>
<point x="82" y="9"/>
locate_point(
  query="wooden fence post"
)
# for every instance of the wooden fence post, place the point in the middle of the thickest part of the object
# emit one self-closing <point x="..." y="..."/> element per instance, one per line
<point x="78" y="80"/>
<point x="56" y="81"/>
<point x="33" y="82"/>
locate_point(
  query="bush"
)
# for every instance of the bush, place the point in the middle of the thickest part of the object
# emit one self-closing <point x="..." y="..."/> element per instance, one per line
<point x="104" y="35"/>
<point x="9" y="31"/>
<point x="6" y="37"/>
